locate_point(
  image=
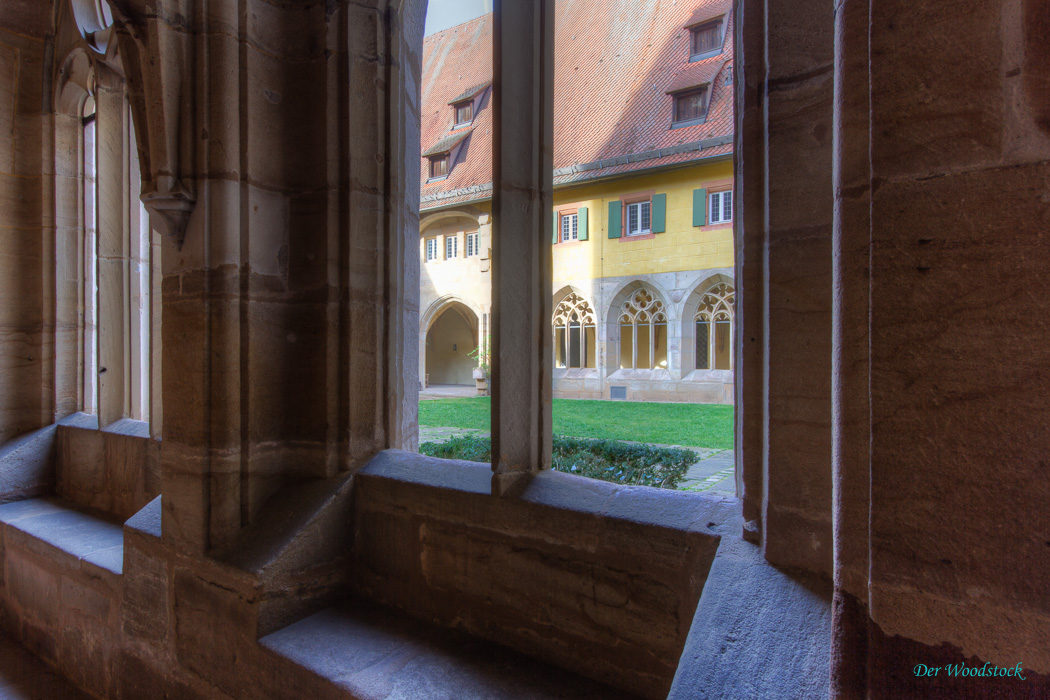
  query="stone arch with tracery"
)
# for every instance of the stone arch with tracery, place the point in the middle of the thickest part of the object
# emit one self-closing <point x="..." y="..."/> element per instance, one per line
<point x="714" y="321"/>
<point x="643" y="332"/>
<point x="575" y="342"/>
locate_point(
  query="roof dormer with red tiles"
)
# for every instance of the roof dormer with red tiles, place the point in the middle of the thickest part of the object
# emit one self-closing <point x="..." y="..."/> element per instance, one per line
<point x="637" y="87"/>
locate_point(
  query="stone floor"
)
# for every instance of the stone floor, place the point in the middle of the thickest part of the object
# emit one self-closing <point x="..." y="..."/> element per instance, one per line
<point x="714" y="472"/>
<point x="25" y="677"/>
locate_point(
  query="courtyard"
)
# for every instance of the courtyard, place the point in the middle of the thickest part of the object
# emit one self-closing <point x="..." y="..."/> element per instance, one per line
<point x="706" y="429"/>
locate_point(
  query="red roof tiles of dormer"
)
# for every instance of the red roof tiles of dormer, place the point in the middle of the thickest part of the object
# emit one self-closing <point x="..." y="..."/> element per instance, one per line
<point x="615" y="62"/>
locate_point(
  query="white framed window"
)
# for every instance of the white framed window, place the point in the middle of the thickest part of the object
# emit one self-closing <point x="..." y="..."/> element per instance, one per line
<point x="569" y="231"/>
<point x="721" y="207"/>
<point x="432" y="249"/>
<point x="472" y="245"/>
<point x="451" y="247"/>
<point x="639" y="218"/>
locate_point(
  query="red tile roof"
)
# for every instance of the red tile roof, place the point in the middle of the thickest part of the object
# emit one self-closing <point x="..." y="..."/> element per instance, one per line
<point x="615" y="62"/>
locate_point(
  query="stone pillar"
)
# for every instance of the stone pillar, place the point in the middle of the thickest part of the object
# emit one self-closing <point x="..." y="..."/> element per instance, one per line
<point x="113" y="249"/>
<point x="273" y="164"/>
<point x="523" y="76"/>
<point x="787" y="98"/>
<point x="851" y="425"/>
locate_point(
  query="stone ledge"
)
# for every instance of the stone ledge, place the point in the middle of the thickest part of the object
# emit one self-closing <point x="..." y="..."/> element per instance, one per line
<point x="367" y="651"/>
<point x="79" y="535"/>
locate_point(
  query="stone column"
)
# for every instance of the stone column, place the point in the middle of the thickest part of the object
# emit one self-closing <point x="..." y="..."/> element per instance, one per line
<point x="523" y="116"/>
<point x="275" y="166"/>
<point x="112" y="248"/>
<point x="787" y="188"/>
<point x="851" y="426"/>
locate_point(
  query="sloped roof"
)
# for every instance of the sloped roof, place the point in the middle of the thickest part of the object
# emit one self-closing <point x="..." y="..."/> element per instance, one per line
<point x="449" y="142"/>
<point x="615" y="62"/>
<point x="468" y="93"/>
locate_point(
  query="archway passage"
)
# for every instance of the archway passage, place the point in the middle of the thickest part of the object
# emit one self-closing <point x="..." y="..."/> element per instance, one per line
<point x="452" y="336"/>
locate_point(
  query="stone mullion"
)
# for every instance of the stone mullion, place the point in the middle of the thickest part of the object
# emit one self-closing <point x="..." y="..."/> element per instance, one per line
<point x="522" y="100"/>
<point x="111" y="249"/>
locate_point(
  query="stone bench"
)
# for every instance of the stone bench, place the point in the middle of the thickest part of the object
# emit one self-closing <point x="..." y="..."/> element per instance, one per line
<point x="60" y="586"/>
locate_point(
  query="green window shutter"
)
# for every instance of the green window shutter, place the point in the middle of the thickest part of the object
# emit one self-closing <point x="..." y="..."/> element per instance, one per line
<point x="581" y="223"/>
<point x="659" y="213"/>
<point x="554" y="229"/>
<point x="614" y="219"/>
<point x="700" y="207"/>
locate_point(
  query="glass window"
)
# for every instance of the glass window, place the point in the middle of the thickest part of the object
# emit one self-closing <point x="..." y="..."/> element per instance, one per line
<point x="451" y="247"/>
<point x="721" y="207"/>
<point x="464" y="112"/>
<point x="574" y="333"/>
<point x="439" y="166"/>
<point x="707" y="37"/>
<point x="569" y="231"/>
<point x="690" y="105"/>
<point x="472" y="244"/>
<point x="717" y="308"/>
<point x="643" y="332"/>
<point x="432" y="249"/>
<point x="638" y="219"/>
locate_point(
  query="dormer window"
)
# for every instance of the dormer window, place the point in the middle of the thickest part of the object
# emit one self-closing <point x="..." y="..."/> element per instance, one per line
<point x="464" y="113"/>
<point x="705" y="40"/>
<point x="439" y="166"/>
<point x="690" y="107"/>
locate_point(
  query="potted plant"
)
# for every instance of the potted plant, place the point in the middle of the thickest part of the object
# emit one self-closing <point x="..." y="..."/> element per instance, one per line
<point x="480" y="355"/>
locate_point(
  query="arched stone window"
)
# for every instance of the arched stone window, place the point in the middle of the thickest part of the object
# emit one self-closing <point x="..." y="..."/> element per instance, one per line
<point x="574" y="333"/>
<point x="714" y="328"/>
<point x="89" y="221"/>
<point x="643" y="332"/>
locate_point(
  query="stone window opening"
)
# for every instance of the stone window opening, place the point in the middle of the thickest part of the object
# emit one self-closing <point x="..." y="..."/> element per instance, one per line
<point x="472" y="245"/>
<point x="643" y="332"/>
<point x="451" y="247"/>
<point x="432" y="249"/>
<point x="714" y="321"/>
<point x="89" y="222"/>
<point x="574" y="334"/>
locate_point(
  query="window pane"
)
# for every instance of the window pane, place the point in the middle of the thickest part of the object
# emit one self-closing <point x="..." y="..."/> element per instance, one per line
<point x="646" y="226"/>
<point x="574" y="345"/>
<point x="464" y="113"/>
<point x="727" y="206"/>
<point x="643" y="346"/>
<point x="565" y="228"/>
<point x="689" y="106"/>
<point x="660" y="346"/>
<point x="703" y="345"/>
<point x="707" y="37"/>
<point x="590" y="345"/>
<point x="559" y="346"/>
<point x="626" y="345"/>
<point x="722" y="349"/>
<point x="632" y="218"/>
<point x="574" y="231"/>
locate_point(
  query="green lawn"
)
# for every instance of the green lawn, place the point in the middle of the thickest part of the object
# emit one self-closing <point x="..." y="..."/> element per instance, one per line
<point x="695" y="425"/>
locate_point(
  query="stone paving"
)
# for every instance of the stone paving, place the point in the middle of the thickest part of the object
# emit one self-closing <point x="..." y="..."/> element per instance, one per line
<point x="714" y="472"/>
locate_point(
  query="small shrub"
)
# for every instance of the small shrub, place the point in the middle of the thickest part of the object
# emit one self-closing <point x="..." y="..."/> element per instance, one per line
<point x="608" y="460"/>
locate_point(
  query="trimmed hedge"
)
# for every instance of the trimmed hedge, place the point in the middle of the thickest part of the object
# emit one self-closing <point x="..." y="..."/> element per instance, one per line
<point x="608" y="460"/>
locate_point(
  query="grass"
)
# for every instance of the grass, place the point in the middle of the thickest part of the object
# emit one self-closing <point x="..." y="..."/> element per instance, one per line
<point x="695" y="425"/>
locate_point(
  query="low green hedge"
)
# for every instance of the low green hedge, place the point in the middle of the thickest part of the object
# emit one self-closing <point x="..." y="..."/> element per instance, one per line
<point x="608" y="460"/>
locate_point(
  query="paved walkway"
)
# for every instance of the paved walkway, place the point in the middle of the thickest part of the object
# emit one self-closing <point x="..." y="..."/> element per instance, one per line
<point x="714" y="472"/>
<point x="447" y="391"/>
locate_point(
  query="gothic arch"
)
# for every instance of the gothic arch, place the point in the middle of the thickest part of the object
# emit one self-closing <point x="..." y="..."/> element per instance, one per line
<point x="654" y="310"/>
<point x="718" y="290"/>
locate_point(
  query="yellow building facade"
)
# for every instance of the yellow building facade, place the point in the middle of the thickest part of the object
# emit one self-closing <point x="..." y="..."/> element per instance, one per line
<point x="642" y="231"/>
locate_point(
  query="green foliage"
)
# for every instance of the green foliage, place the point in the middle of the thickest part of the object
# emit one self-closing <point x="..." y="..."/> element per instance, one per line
<point x="697" y="425"/>
<point x="608" y="460"/>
